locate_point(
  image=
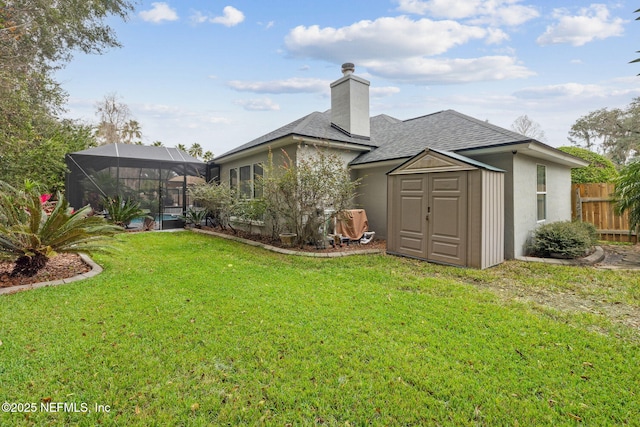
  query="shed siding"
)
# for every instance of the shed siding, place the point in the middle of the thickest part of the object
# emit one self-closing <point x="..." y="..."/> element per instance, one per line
<point x="493" y="219"/>
<point x="505" y="162"/>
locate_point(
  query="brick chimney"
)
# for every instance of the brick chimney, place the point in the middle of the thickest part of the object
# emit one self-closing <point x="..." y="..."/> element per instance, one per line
<point x="350" y="103"/>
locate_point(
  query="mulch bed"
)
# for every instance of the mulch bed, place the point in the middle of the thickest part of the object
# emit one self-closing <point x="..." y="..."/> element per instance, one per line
<point x="61" y="266"/>
<point x="267" y="240"/>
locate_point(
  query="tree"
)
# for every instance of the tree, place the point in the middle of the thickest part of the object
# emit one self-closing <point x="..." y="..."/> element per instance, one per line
<point x="637" y="19"/>
<point x="116" y="124"/>
<point x="195" y="150"/>
<point x="181" y="147"/>
<point x="132" y="132"/>
<point x="207" y="156"/>
<point x="600" y="168"/>
<point x="42" y="157"/>
<point x="157" y="144"/>
<point x="614" y="133"/>
<point x="37" y="39"/>
<point x="627" y="194"/>
<point x="527" y="127"/>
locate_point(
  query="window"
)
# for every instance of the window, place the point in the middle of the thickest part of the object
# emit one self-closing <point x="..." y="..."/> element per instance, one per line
<point x="541" y="192"/>
<point x="233" y="178"/>
<point x="245" y="182"/>
<point x="258" y="173"/>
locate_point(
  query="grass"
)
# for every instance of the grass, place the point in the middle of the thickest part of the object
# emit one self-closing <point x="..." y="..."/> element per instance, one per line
<point x="185" y="329"/>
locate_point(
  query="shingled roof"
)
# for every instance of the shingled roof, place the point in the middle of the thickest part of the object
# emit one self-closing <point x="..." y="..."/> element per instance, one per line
<point x="314" y="125"/>
<point x="392" y="138"/>
<point x="445" y="130"/>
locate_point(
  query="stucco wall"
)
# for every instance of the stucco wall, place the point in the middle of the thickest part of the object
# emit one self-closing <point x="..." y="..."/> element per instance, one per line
<point x="372" y="196"/>
<point x="520" y="197"/>
<point x="558" y="198"/>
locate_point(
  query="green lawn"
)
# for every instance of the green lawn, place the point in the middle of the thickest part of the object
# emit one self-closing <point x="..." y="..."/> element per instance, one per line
<point x="187" y="329"/>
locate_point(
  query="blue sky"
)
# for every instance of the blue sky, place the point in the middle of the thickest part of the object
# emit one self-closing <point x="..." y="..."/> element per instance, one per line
<point x="221" y="73"/>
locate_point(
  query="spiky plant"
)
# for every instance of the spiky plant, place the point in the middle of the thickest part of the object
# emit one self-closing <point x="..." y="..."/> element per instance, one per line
<point x="627" y="194"/>
<point x="29" y="237"/>
<point x="121" y="211"/>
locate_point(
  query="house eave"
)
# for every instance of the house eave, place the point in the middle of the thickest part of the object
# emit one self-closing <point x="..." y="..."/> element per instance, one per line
<point x="532" y="149"/>
<point x="290" y="140"/>
<point x="391" y="163"/>
<point x="273" y="144"/>
<point x="333" y="144"/>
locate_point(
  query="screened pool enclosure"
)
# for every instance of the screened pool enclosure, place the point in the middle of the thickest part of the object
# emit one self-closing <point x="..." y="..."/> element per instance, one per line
<point x="156" y="177"/>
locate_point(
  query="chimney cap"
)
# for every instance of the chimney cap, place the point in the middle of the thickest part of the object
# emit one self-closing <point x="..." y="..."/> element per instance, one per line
<point x="348" y="68"/>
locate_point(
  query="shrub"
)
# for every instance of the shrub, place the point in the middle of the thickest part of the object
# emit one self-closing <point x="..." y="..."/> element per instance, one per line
<point x="297" y="193"/>
<point x="564" y="239"/>
<point x="220" y="201"/>
<point x="30" y="236"/>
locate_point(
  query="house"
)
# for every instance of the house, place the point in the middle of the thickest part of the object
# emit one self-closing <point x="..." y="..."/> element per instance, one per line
<point x="493" y="186"/>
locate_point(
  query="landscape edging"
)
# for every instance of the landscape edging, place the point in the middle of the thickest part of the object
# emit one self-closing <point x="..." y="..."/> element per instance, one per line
<point x="288" y="251"/>
<point x="595" y="257"/>
<point x="95" y="270"/>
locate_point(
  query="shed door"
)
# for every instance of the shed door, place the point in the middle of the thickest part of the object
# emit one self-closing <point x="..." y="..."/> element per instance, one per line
<point x="412" y="206"/>
<point x="432" y="214"/>
<point x="447" y="217"/>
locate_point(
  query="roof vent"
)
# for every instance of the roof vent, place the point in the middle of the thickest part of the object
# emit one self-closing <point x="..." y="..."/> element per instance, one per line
<point x="348" y="68"/>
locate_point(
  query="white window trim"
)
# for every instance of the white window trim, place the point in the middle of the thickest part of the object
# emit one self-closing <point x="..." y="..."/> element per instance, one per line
<point x="545" y="193"/>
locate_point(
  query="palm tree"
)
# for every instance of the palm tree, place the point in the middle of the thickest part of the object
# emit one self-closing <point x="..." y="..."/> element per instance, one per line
<point x="131" y="130"/>
<point x="195" y="150"/>
<point x="208" y="156"/>
<point x="29" y="236"/>
<point x="157" y="144"/>
<point x="181" y="147"/>
<point x="627" y="193"/>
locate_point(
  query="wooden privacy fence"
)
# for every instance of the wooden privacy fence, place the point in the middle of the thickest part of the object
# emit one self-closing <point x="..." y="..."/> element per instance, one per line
<point x="593" y="203"/>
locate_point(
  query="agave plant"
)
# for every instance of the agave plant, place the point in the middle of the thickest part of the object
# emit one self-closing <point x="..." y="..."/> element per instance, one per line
<point x="195" y="217"/>
<point x="29" y="236"/>
<point x="121" y="211"/>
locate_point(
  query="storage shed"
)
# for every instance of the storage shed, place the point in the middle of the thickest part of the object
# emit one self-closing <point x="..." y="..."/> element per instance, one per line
<point x="446" y="208"/>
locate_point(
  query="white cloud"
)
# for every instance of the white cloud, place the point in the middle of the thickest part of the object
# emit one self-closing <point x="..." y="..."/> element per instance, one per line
<point x="293" y="85"/>
<point x="570" y="90"/>
<point x="592" y="23"/>
<point x="230" y="17"/>
<point x="158" y="13"/>
<point x="445" y="71"/>
<point x="382" y="92"/>
<point x="494" y="12"/>
<point x="386" y="37"/>
<point x="173" y="114"/>
<point x="258" y="104"/>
